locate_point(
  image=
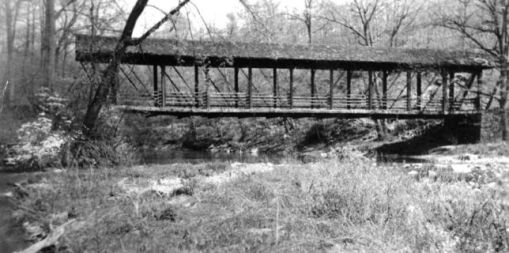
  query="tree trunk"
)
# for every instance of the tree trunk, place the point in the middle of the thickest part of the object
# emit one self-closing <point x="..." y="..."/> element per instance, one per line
<point x="109" y="78"/>
<point x="48" y="45"/>
<point x="10" y="48"/>
<point x="503" y="99"/>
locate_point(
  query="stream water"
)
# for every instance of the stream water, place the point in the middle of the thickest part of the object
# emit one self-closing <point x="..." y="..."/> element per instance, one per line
<point x="195" y="157"/>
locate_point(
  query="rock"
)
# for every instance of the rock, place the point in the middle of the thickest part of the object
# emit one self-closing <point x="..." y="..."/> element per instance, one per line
<point x="238" y="171"/>
<point x="461" y="168"/>
<point x="414" y="174"/>
<point x="166" y="186"/>
<point x="58" y="171"/>
<point x="7" y="195"/>
<point x="35" y="230"/>
<point x="182" y="200"/>
<point x="432" y="174"/>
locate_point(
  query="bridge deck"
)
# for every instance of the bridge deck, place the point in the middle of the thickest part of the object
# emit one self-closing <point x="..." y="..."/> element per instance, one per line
<point x="292" y="113"/>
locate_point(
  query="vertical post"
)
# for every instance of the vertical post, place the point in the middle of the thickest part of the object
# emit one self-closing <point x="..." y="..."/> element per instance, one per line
<point x="451" y="91"/>
<point x="249" y="87"/>
<point x="155" y="87"/>
<point x="370" y="90"/>
<point x="444" y="92"/>
<point x="478" y="97"/>
<point x="313" y="88"/>
<point x="274" y="87"/>
<point x="291" y="89"/>
<point x="408" y="91"/>
<point x="331" y="89"/>
<point x="384" y="89"/>
<point x="196" y="86"/>
<point x="163" y="87"/>
<point x="207" y="88"/>
<point x="236" y="84"/>
<point x="419" y="89"/>
<point x="348" y="88"/>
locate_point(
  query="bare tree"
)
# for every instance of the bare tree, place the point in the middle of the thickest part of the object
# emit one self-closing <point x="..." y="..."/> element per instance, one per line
<point x="109" y="77"/>
<point x="48" y="44"/>
<point x="11" y="10"/>
<point x="486" y="27"/>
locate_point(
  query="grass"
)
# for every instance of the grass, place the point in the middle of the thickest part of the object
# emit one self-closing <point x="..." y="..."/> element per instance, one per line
<point x="347" y="205"/>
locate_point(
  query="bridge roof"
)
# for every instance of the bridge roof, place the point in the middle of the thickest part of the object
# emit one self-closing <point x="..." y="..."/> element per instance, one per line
<point x="265" y="55"/>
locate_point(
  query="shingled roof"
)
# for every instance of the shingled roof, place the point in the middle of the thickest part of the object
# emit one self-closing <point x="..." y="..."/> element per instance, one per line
<point x="264" y="55"/>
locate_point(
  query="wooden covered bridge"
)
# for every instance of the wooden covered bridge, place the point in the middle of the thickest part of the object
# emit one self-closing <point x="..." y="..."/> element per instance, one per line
<point x="338" y="82"/>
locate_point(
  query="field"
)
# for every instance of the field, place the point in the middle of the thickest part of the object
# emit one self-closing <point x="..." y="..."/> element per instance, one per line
<point x="346" y="205"/>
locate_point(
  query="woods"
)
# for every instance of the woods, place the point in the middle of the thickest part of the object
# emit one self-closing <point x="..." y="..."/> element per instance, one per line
<point x="254" y="125"/>
<point x="30" y="26"/>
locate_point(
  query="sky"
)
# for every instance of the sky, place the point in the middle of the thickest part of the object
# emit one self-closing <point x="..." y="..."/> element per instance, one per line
<point x="213" y="11"/>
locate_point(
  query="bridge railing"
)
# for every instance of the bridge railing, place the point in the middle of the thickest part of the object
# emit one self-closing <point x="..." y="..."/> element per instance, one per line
<point x="258" y="100"/>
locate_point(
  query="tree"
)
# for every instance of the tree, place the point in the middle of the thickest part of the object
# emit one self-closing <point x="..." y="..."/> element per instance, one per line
<point x="48" y="44"/>
<point x="109" y="77"/>
<point x="486" y="27"/>
<point x="11" y="10"/>
<point x="375" y="23"/>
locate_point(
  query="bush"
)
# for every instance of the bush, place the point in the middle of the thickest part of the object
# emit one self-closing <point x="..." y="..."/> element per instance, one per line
<point x="38" y="145"/>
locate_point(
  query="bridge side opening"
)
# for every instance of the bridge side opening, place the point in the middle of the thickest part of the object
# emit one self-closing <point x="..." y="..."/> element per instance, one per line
<point x="332" y="89"/>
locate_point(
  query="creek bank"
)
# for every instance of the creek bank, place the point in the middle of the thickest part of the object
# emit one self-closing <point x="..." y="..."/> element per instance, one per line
<point x="43" y="228"/>
<point x="253" y="205"/>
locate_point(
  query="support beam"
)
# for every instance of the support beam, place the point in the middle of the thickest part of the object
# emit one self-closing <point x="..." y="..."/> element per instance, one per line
<point x="290" y="99"/>
<point x="408" y="91"/>
<point x="155" y="87"/>
<point x="313" y="88"/>
<point x="370" y="90"/>
<point x="444" y="91"/>
<point x="419" y="89"/>
<point x="348" y="88"/>
<point x="236" y="84"/>
<point x="331" y="89"/>
<point x="478" y="97"/>
<point x="249" y="87"/>
<point x="207" y="87"/>
<point x="451" y="91"/>
<point x="196" y="86"/>
<point x="385" y="75"/>
<point x="274" y="86"/>
<point x="163" y="86"/>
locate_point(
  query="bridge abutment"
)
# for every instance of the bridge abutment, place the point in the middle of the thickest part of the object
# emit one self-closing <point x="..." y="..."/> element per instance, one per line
<point x="490" y="129"/>
<point x="478" y="128"/>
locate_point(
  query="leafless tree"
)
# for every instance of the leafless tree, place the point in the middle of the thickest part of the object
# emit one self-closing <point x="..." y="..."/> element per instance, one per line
<point x="11" y="10"/>
<point x="109" y="77"/>
<point x="48" y="44"/>
<point x="486" y="27"/>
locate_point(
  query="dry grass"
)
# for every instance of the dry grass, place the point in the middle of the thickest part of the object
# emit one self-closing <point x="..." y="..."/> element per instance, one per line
<point x="340" y="206"/>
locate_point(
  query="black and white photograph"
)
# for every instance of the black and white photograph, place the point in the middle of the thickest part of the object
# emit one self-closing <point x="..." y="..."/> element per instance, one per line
<point x="254" y="126"/>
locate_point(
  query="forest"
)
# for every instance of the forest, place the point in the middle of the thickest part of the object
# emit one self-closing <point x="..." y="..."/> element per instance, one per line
<point x="78" y="174"/>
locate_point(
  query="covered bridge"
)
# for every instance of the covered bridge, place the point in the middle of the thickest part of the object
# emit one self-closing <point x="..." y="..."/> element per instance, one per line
<point x="446" y="94"/>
